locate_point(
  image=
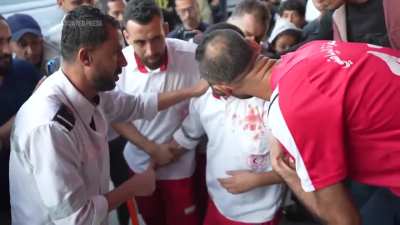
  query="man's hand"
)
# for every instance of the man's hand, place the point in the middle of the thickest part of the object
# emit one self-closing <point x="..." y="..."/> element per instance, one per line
<point x="281" y="164"/>
<point x="239" y="182"/>
<point x="330" y="204"/>
<point x="163" y="154"/>
<point x="144" y="184"/>
<point x="200" y="88"/>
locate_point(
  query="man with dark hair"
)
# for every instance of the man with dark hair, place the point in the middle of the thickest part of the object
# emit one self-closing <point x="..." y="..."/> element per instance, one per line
<point x="17" y="81"/>
<point x="252" y="17"/>
<point x="158" y="64"/>
<point x="53" y="35"/>
<point x="294" y="11"/>
<point x="27" y="42"/>
<point x="189" y="14"/>
<point x="114" y="8"/>
<point x="334" y="118"/>
<point x="59" y="165"/>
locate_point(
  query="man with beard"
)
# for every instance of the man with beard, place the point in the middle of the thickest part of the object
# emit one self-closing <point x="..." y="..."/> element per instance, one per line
<point x="189" y="14"/>
<point x="158" y="64"/>
<point x="17" y="81"/>
<point x="27" y="42"/>
<point x="59" y="164"/>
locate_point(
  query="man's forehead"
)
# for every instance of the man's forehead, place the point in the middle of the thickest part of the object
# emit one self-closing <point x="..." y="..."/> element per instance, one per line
<point x="149" y="30"/>
<point x="180" y="4"/>
<point x="5" y="31"/>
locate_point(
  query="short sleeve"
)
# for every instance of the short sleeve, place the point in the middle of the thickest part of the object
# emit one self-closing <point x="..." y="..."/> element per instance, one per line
<point x="310" y="128"/>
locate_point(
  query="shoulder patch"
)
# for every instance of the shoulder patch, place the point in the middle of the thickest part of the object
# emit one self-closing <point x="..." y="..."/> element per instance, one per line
<point x="65" y="117"/>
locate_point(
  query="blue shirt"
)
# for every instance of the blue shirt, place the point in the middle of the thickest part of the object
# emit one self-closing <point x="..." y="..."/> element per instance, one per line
<point x="16" y="87"/>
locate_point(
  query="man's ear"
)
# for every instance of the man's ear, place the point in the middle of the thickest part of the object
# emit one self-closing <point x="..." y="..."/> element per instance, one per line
<point x="224" y="88"/>
<point x="59" y="3"/>
<point x="166" y="28"/>
<point x="84" y="57"/>
<point x="126" y="36"/>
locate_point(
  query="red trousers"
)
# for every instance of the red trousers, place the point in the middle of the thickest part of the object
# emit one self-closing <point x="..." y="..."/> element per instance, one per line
<point x="214" y="217"/>
<point x="172" y="203"/>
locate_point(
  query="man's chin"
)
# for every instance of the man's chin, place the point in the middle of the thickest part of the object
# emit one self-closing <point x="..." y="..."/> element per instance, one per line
<point x="153" y="64"/>
<point x="4" y="69"/>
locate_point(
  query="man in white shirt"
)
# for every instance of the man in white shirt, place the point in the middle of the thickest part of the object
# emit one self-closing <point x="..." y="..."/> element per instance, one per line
<point x="157" y="64"/>
<point x="59" y="164"/>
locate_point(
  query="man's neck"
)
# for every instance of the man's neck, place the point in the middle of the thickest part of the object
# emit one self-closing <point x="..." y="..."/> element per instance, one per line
<point x="77" y="78"/>
<point x="261" y="87"/>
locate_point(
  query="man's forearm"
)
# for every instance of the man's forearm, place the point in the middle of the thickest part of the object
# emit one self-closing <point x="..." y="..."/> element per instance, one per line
<point x="132" y="134"/>
<point x="167" y="99"/>
<point x="331" y="205"/>
<point x="268" y="178"/>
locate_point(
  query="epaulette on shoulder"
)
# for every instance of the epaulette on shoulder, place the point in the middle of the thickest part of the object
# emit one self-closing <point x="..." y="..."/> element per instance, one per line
<point x="65" y="117"/>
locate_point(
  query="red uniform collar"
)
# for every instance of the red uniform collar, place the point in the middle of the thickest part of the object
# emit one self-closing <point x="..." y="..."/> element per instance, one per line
<point x="142" y="68"/>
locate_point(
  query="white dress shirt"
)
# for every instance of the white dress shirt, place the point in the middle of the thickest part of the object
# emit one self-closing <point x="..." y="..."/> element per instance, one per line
<point x="59" y="165"/>
<point x="180" y="70"/>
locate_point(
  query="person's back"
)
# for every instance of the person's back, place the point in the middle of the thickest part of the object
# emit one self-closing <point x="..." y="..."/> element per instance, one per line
<point x="351" y="108"/>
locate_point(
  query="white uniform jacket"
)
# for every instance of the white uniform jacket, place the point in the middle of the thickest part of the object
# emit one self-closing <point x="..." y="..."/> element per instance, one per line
<point x="59" y="165"/>
<point x="180" y="70"/>
<point x="237" y="140"/>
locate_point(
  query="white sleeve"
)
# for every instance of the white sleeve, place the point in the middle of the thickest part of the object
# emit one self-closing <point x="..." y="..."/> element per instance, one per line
<point x="56" y="164"/>
<point x="191" y="130"/>
<point x="119" y="106"/>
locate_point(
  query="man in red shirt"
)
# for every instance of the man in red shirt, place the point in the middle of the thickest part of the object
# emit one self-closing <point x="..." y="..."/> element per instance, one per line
<point x="334" y="110"/>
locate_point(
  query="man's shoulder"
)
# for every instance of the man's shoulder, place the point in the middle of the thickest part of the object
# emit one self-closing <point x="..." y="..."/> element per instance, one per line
<point x="41" y="111"/>
<point x="177" y="32"/>
<point x="47" y="105"/>
<point x="178" y="47"/>
<point x="24" y="71"/>
<point x="21" y="65"/>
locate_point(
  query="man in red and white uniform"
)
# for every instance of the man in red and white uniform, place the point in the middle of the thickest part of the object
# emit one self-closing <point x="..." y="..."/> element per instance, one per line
<point x="334" y="109"/>
<point x="157" y="64"/>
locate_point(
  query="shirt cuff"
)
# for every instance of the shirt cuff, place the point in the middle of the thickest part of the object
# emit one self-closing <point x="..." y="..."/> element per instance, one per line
<point x="100" y="209"/>
<point x="151" y="106"/>
<point x="184" y="141"/>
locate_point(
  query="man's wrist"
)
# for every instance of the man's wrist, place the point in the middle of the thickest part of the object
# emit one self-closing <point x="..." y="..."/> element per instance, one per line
<point x="150" y="148"/>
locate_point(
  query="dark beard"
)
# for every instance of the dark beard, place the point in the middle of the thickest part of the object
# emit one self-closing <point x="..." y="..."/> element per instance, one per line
<point x="5" y="68"/>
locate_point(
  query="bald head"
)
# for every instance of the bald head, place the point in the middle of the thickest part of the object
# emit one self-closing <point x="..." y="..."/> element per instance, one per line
<point x="223" y="55"/>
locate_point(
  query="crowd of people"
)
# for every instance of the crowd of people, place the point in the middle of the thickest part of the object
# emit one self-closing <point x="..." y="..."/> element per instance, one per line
<point x="176" y="112"/>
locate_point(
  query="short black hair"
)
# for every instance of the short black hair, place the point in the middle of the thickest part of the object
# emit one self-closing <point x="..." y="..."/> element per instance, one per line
<point x="217" y="26"/>
<point x="141" y="11"/>
<point x="223" y="55"/>
<point x="2" y="18"/>
<point x="253" y="7"/>
<point x="293" y="5"/>
<point x="85" y="26"/>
